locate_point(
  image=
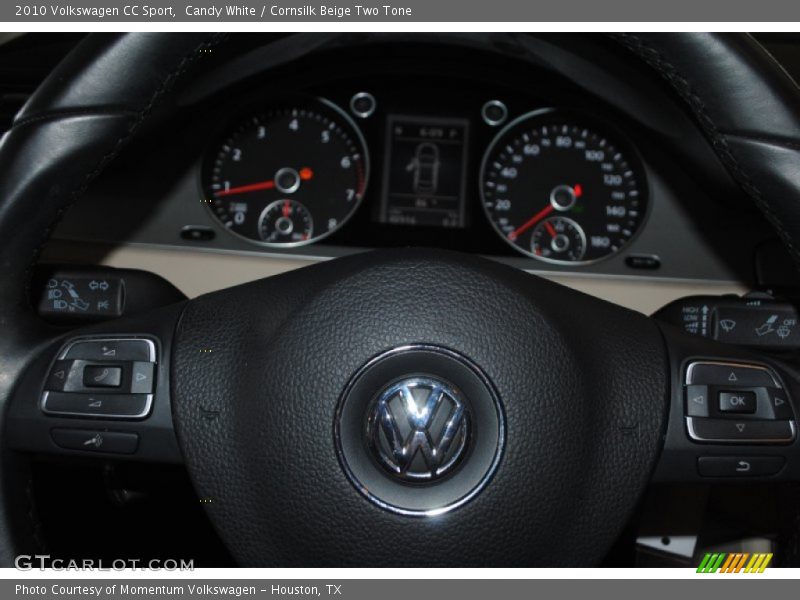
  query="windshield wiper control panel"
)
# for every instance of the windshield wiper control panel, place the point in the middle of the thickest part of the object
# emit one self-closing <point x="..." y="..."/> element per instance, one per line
<point x="736" y="403"/>
<point x="753" y="320"/>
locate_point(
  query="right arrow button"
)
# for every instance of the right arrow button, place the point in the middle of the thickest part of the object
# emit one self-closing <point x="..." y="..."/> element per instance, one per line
<point x="781" y="406"/>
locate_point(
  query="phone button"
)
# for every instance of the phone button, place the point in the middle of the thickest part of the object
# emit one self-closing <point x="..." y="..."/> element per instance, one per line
<point x="99" y="376"/>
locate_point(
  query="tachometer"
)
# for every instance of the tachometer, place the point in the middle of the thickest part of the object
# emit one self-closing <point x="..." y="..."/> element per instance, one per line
<point x="288" y="175"/>
<point x="560" y="191"/>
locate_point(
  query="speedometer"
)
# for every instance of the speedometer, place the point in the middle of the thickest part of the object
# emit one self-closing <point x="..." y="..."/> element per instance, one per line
<point x="287" y="175"/>
<point x="561" y="191"/>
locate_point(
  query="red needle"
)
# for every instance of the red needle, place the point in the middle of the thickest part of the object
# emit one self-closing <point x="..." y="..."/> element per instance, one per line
<point x="530" y="222"/>
<point x="286" y="209"/>
<point x="550" y="229"/>
<point x="252" y="187"/>
<point x="305" y="174"/>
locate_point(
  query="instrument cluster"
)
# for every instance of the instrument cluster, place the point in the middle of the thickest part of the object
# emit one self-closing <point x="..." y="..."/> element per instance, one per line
<point x="557" y="185"/>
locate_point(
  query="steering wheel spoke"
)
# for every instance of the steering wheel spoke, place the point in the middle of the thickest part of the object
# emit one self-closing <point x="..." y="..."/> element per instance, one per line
<point x="101" y="391"/>
<point x="733" y="415"/>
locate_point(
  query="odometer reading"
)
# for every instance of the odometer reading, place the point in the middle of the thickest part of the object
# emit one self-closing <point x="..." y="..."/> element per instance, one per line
<point x="561" y="192"/>
<point x="288" y="176"/>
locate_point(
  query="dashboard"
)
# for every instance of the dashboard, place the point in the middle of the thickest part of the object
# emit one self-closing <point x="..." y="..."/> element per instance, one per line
<point x="555" y="155"/>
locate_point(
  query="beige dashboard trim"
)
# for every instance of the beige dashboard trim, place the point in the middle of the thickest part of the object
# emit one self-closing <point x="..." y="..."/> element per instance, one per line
<point x="197" y="272"/>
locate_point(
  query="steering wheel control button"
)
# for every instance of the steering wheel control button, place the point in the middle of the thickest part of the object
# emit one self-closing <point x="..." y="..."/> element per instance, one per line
<point x="739" y="466"/>
<point x="745" y="431"/>
<point x="781" y="407"/>
<point x="122" y="406"/>
<point x="110" y="378"/>
<point x="419" y="430"/>
<point x="59" y="373"/>
<point x="697" y="400"/>
<point x="87" y="440"/>
<point x="730" y="374"/>
<point x="112" y="350"/>
<point x="142" y="378"/>
<point x="737" y="402"/>
<point x="102" y="376"/>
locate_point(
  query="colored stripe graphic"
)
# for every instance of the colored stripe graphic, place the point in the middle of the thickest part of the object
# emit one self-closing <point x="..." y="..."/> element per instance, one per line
<point x="703" y="563"/>
<point x="749" y="567"/>
<point x="727" y="564"/>
<point x="741" y="562"/>
<point x="735" y="562"/>
<point x="720" y="558"/>
<point x="767" y="560"/>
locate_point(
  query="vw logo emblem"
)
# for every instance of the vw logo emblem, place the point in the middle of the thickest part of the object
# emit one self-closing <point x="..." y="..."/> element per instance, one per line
<point x="418" y="429"/>
<point x="419" y="444"/>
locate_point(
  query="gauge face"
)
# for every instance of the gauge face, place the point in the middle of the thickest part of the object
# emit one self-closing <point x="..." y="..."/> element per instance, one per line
<point x="560" y="191"/>
<point x="289" y="175"/>
<point x="285" y="222"/>
<point x="558" y="238"/>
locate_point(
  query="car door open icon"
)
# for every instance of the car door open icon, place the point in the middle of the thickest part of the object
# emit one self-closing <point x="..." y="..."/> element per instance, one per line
<point x="425" y="167"/>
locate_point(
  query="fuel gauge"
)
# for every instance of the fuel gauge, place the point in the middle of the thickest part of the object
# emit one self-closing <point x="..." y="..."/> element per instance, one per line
<point x="558" y="239"/>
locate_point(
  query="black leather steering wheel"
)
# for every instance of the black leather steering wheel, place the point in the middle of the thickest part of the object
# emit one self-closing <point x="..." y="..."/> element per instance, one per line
<point x="271" y="392"/>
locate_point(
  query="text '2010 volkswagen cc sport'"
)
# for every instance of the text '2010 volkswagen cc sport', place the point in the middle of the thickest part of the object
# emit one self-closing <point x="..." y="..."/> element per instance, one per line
<point x="518" y="300"/>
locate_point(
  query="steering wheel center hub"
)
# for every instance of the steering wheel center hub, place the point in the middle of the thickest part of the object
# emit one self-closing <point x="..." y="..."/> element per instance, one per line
<point x="419" y="430"/>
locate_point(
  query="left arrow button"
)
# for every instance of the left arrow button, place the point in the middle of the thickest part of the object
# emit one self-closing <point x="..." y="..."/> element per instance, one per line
<point x="59" y="373"/>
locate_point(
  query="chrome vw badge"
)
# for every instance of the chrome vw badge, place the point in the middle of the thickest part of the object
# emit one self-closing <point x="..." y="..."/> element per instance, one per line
<point x="418" y="428"/>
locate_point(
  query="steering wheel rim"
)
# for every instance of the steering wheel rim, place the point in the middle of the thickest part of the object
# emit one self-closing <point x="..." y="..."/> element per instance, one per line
<point x="88" y="109"/>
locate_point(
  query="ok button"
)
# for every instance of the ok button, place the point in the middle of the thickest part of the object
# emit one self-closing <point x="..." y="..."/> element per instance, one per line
<point x="737" y="402"/>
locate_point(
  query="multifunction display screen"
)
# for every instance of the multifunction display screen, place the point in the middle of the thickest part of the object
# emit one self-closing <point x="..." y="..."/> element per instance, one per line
<point x="425" y="171"/>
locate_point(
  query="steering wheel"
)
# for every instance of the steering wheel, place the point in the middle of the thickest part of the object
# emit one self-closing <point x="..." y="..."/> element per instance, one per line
<point x="401" y="407"/>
